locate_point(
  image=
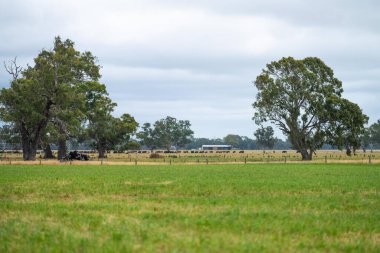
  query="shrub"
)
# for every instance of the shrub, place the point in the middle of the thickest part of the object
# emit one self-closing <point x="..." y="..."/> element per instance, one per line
<point x="155" y="156"/>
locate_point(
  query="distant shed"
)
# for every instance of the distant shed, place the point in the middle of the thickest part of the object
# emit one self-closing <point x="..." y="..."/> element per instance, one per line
<point x="216" y="147"/>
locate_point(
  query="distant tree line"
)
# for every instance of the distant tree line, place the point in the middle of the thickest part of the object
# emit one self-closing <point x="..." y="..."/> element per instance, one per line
<point x="236" y="141"/>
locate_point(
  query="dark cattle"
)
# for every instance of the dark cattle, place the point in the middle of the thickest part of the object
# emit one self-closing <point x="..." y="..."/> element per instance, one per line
<point x="284" y="151"/>
<point x="75" y="155"/>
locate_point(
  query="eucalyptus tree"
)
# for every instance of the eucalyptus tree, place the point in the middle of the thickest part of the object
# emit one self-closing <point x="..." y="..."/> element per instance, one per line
<point x="348" y="126"/>
<point x="166" y="133"/>
<point x="301" y="97"/>
<point x="46" y="92"/>
<point x="233" y="140"/>
<point x="105" y="131"/>
<point x="146" y="136"/>
<point x="371" y="137"/>
<point x="9" y="137"/>
<point x="265" y="137"/>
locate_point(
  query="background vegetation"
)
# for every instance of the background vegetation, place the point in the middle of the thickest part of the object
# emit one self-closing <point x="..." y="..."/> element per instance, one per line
<point x="58" y="102"/>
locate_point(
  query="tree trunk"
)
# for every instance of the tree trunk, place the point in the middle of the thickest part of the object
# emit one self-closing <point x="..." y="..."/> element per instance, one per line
<point x="62" y="148"/>
<point x="348" y="150"/>
<point x="29" y="147"/>
<point x="30" y="139"/>
<point x="306" y="156"/>
<point x="101" y="152"/>
<point x="48" y="154"/>
<point x="299" y="143"/>
<point x="29" y="152"/>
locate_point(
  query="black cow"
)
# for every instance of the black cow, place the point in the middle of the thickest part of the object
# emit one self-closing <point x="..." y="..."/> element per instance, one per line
<point x="75" y="155"/>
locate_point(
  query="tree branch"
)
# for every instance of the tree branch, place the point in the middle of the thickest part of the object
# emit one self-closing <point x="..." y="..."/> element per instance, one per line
<point x="13" y="69"/>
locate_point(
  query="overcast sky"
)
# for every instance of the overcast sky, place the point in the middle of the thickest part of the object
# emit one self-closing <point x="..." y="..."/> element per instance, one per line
<point x="196" y="60"/>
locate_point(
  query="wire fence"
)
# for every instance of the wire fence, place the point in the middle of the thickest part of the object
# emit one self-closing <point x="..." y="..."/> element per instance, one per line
<point x="369" y="159"/>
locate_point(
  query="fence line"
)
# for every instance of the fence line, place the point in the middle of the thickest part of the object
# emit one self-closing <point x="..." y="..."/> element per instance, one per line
<point x="207" y="161"/>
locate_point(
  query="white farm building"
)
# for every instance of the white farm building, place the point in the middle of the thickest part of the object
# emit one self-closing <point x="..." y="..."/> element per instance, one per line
<point x="216" y="147"/>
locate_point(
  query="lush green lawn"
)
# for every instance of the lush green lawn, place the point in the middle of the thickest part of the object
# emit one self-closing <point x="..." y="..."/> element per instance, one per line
<point x="214" y="208"/>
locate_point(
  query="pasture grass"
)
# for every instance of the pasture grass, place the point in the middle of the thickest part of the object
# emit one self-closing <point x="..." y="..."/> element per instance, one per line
<point x="214" y="208"/>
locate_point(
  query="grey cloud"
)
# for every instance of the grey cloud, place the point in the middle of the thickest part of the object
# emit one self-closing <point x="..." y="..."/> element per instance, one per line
<point x="360" y="15"/>
<point x="197" y="59"/>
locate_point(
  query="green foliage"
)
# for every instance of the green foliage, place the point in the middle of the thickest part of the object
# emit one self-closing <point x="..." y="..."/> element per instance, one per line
<point x="265" y="137"/>
<point x="233" y="139"/>
<point x="166" y="133"/>
<point x="146" y="136"/>
<point x="104" y="130"/>
<point x="301" y="97"/>
<point x="131" y="145"/>
<point x="108" y="132"/>
<point x="214" y="208"/>
<point x="371" y="137"/>
<point x="47" y="92"/>
<point x="374" y="133"/>
<point x="348" y="127"/>
<point x="58" y="97"/>
<point x="198" y="142"/>
<point x="244" y="143"/>
<point x="9" y="137"/>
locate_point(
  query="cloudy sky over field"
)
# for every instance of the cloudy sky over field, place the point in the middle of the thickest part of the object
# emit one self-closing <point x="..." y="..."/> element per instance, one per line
<point x="197" y="59"/>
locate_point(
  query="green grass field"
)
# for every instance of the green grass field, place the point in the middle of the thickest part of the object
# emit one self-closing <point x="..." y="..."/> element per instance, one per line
<point x="214" y="208"/>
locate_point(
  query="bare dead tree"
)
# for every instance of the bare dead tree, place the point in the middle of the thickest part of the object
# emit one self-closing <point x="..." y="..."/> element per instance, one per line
<point x="12" y="68"/>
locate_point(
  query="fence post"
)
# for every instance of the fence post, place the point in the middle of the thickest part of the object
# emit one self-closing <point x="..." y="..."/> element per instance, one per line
<point x="101" y="161"/>
<point x="170" y="162"/>
<point x="40" y="161"/>
<point x="369" y="159"/>
<point x="285" y="159"/>
<point x="325" y="158"/>
<point x="135" y="161"/>
<point x="207" y="161"/>
<point x="245" y="160"/>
